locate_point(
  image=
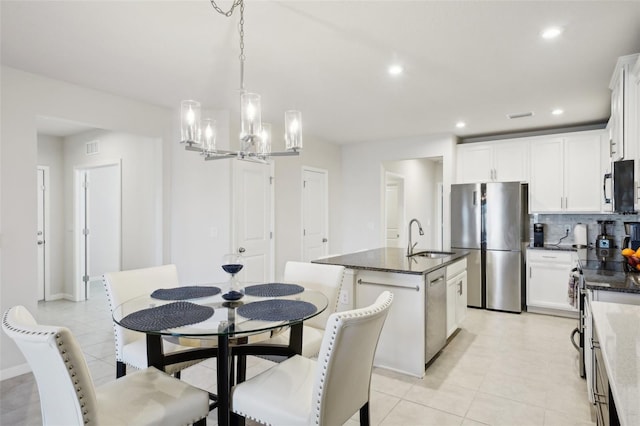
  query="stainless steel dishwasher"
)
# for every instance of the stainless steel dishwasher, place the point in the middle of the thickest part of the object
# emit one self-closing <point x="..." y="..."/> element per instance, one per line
<point x="436" y="313"/>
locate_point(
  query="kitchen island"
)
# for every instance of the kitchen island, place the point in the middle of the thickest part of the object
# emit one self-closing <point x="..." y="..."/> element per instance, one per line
<point x="429" y="300"/>
<point x="617" y="362"/>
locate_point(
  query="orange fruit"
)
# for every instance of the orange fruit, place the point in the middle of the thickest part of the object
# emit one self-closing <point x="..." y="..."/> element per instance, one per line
<point x="638" y="252"/>
<point x="638" y="266"/>
<point x="628" y="252"/>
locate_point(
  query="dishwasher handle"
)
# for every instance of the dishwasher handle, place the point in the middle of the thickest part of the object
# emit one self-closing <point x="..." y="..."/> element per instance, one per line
<point x="436" y="281"/>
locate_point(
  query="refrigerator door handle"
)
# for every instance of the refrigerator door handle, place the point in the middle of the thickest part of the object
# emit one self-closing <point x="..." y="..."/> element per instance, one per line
<point x="474" y="197"/>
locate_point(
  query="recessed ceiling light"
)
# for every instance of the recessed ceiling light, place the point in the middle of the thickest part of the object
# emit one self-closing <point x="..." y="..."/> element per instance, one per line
<point x="395" y="70"/>
<point x="551" y="33"/>
<point x="461" y="124"/>
<point x="557" y="111"/>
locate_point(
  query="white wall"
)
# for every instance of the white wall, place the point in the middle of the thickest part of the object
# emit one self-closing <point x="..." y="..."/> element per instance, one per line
<point x="25" y="96"/>
<point x="288" y="197"/>
<point x="200" y="210"/>
<point x="420" y="190"/>
<point x="51" y="153"/>
<point x="141" y="173"/>
<point x="363" y="185"/>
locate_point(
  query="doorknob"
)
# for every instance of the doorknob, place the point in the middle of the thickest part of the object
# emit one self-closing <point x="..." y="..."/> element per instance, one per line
<point x="324" y="240"/>
<point x="241" y="250"/>
<point x="40" y="242"/>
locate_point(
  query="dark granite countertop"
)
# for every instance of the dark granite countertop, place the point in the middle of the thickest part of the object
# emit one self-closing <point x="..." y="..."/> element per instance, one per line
<point x="392" y="259"/>
<point x="626" y="282"/>
<point x="610" y="276"/>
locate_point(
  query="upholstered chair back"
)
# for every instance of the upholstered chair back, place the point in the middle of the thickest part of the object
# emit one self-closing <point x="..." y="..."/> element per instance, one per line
<point x="345" y="362"/>
<point x="67" y="395"/>
<point x="326" y="279"/>
<point x="124" y="285"/>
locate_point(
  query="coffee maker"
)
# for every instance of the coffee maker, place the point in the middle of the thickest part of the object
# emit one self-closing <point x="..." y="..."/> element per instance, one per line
<point x="604" y="241"/>
<point x="632" y="239"/>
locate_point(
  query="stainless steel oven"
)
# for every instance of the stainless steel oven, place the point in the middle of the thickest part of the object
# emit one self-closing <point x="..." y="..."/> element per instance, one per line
<point x="576" y="273"/>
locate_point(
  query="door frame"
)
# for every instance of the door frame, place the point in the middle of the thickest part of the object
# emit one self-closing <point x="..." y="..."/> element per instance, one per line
<point x="325" y="178"/>
<point x="388" y="176"/>
<point x="78" y="214"/>
<point x="46" y="211"/>
<point x="234" y="211"/>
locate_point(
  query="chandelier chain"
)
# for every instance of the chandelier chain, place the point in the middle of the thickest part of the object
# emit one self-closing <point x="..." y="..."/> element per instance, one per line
<point x="228" y="13"/>
<point x="241" y="31"/>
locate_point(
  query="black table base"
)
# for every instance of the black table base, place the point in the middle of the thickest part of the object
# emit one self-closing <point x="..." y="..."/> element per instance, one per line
<point x="224" y="363"/>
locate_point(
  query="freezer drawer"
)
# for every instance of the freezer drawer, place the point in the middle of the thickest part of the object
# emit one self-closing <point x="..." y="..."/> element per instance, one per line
<point x="504" y="280"/>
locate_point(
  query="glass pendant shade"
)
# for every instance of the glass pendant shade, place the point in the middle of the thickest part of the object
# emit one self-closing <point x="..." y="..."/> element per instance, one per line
<point x="264" y="146"/>
<point x="209" y="135"/>
<point x="293" y="130"/>
<point x="190" y="118"/>
<point x="250" y="114"/>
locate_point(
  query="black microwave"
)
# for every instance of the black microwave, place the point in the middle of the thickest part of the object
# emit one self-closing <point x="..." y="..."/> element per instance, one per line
<point x="623" y="187"/>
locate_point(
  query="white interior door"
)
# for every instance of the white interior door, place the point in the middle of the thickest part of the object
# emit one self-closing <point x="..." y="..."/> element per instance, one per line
<point x="315" y="212"/>
<point x="252" y="219"/>
<point x="394" y="210"/>
<point x="41" y="189"/>
<point x="99" y="223"/>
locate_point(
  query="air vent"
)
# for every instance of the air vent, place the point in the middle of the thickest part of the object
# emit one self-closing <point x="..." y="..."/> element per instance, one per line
<point x="93" y="148"/>
<point x="519" y="115"/>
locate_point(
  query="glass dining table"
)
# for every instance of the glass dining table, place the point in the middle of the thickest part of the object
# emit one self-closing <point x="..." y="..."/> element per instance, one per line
<point x="217" y="327"/>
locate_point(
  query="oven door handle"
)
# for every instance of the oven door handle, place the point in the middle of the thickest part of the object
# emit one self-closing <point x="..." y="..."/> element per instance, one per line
<point x="573" y="341"/>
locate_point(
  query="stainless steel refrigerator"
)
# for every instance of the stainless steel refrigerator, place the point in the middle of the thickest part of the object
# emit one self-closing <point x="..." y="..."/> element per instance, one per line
<point x="491" y="221"/>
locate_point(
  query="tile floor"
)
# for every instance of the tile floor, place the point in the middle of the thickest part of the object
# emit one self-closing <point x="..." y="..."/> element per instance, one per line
<point x="500" y="369"/>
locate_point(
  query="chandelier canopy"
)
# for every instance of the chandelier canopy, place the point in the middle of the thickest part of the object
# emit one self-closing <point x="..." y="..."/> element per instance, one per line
<point x="255" y="136"/>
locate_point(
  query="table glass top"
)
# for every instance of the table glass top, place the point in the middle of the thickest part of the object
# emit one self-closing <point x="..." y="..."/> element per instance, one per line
<point x="226" y="320"/>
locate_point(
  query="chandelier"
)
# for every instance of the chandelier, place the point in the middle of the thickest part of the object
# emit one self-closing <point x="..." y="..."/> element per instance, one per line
<point x="255" y="136"/>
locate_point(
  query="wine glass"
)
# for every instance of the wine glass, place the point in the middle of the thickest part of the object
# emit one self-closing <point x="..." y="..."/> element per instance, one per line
<point x="233" y="263"/>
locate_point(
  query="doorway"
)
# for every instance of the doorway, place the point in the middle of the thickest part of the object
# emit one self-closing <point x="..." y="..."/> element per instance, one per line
<point x="315" y="212"/>
<point x="252" y="219"/>
<point x="98" y="224"/>
<point x="394" y="209"/>
<point x="44" y="271"/>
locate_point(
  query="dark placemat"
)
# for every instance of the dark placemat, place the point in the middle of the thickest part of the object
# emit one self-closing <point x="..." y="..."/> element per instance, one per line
<point x="187" y="292"/>
<point x="276" y="310"/>
<point x="273" y="290"/>
<point x="171" y="315"/>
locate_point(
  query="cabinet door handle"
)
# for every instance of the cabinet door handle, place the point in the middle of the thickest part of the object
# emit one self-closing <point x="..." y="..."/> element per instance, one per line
<point x="460" y="288"/>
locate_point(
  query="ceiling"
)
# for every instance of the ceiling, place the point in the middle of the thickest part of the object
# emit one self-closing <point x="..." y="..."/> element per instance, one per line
<point x="475" y="61"/>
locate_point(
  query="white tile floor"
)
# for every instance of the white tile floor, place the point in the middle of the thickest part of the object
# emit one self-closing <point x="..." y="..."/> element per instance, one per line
<point x="500" y="369"/>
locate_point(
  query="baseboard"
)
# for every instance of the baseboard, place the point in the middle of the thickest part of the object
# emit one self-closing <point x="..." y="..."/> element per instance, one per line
<point x="11" y="372"/>
<point x="551" y="311"/>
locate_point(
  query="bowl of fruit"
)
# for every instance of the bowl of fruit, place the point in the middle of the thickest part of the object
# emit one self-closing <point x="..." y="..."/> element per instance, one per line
<point x="633" y="259"/>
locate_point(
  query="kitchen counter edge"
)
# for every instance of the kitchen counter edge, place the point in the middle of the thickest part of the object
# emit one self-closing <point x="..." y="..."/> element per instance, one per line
<point x="617" y="329"/>
<point x="355" y="261"/>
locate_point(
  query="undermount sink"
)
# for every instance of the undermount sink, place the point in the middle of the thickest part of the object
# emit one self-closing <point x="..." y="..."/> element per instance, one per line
<point x="433" y="254"/>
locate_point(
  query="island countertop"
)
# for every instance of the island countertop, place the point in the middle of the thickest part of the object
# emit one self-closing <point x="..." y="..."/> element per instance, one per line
<point x="618" y="327"/>
<point x="392" y="259"/>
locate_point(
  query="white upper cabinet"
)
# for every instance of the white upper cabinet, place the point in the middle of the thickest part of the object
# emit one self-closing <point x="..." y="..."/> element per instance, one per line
<point x="625" y="109"/>
<point x="499" y="161"/>
<point x="566" y="173"/>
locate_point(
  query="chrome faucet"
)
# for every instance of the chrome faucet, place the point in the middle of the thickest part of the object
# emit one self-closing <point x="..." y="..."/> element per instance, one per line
<point x="410" y="247"/>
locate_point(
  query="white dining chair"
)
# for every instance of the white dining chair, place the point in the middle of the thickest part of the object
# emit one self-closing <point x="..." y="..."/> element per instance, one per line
<point x="326" y="391"/>
<point x="131" y="346"/>
<point x="67" y="393"/>
<point x="326" y="279"/>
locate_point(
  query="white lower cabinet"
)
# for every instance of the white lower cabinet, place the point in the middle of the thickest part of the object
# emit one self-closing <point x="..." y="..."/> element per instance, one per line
<point x="402" y="341"/>
<point x="548" y="282"/>
<point x="456" y="295"/>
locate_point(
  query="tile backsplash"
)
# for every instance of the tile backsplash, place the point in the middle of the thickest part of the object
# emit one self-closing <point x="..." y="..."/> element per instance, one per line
<point x="554" y="228"/>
